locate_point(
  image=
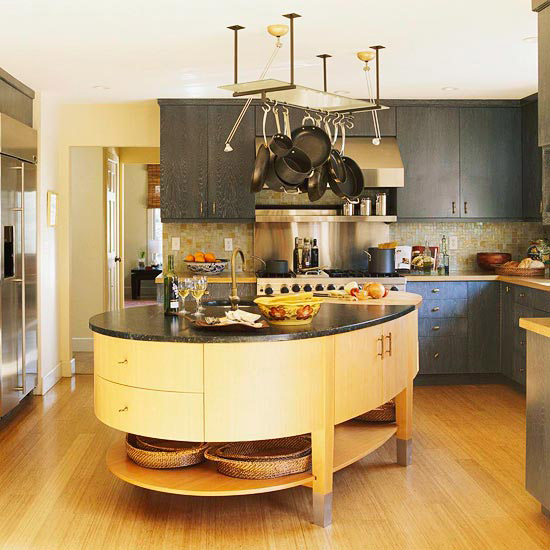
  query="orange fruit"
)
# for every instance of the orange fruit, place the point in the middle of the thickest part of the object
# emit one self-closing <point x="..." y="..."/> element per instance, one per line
<point x="190" y="258"/>
<point x="210" y="257"/>
<point x="199" y="258"/>
<point x="199" y="253"/>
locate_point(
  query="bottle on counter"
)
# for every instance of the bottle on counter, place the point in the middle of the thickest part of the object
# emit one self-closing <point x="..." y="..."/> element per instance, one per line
<point x="443" y="267"/>
<point x="306" y="254"/>
<point x="314" y="254"/>
<point x="297" y="256"/>
<point x="171" y="300"/>
<point x="428" y="262"/>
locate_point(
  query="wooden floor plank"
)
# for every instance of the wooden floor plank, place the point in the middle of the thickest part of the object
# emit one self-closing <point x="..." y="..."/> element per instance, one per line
<point x="464" y="490"/>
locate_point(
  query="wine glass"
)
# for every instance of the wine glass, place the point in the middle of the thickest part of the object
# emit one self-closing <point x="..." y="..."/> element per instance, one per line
<point x="184" y="288"/>
<point x="198" y="290"/>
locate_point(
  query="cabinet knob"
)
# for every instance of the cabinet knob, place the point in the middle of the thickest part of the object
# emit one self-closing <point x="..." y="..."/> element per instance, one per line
<point x="214" y="207"/>
<point x="436" y="308"/>
<point x="522" y="294"/>
<point x="436" y="355"/>
<point x="201" y="208"/>
<point x="435" y="290"/>
<point x="123" y="410"/>
<point x="465" y="207"/>
<point x="507" y="289"/>
<point x="454" y="207"/>
<point x="521" y="343"/>
<point x="522" y="370"/>
<point x="436" y="327"/>
<point x="125" y="362"/>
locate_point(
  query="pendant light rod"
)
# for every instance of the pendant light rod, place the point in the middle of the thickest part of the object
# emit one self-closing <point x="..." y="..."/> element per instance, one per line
<point x="292" y="16"/>
<point x="324" y="57"/>
<point x="377" y="49"/>
<point x="235" y="29"/>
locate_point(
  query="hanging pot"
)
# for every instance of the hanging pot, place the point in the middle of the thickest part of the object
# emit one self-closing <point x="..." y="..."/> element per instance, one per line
<point x="280" y="144"/>
<point x="317" y="183"/>
<point x="294" y="167"/>
<point x="313" y="141"/>
<point x="335" y="165"/>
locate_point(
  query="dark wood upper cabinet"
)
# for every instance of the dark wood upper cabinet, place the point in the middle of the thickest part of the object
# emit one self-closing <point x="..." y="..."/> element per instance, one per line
<point x="183" y="162"/>
<point x="490" y="162"/>
<point x="544" y="73"/>
<point x="532" y="162"/>
<point x="428" y="139"/>
<point x="229" y="174"/>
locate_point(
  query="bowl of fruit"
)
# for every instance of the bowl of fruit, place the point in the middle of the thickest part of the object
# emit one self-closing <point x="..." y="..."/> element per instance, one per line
<point x="295" y="309"/>
<point x="205" y="263"/>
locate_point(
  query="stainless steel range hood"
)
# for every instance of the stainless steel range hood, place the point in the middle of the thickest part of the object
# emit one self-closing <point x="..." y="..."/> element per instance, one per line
<point x="381" y="164"/>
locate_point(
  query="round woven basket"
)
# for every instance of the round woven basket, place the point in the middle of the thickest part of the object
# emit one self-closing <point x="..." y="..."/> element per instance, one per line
<point x="186" y="454"/>
<point x="518" y="272"/>
<point x="252" y="459"/>
<point x="384" y="413"/>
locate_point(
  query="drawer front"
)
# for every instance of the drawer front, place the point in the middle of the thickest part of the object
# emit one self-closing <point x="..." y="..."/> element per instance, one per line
<point x="447" y="355"/>
<point x="457" y="327"/>
<point x="437" y="309"/>
<point x="163" y="414"/>
<point x="439" y="290"/>
<point x="530" y="297"/>
<point x="166" y="366"/>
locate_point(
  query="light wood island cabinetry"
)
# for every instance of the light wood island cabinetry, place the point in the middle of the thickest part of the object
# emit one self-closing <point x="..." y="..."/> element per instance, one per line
<point x="170" y="381"/>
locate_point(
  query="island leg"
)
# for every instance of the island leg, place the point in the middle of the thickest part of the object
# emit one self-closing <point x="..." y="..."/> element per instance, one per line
<point x="322" y="449"/>
<point x="403" y="412"/>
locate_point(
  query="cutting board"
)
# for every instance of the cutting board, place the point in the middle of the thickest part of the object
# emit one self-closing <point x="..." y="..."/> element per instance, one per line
<point x="396" y="298"/>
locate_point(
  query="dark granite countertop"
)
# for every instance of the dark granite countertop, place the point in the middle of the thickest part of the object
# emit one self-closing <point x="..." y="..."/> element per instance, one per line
<point x="150" y="324"/>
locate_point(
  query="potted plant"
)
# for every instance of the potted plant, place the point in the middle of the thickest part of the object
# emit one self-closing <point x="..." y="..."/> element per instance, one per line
<point x="141" y="260"/>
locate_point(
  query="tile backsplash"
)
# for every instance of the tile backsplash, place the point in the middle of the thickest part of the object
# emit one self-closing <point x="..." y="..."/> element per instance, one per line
<point x="208" y="237"/>
<point x="473" y="237"/>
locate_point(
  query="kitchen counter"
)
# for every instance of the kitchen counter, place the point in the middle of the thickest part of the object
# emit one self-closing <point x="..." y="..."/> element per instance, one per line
<point x="537" y="325"/>
<point x="283" y="381"/>
<point x="225" y="277"/>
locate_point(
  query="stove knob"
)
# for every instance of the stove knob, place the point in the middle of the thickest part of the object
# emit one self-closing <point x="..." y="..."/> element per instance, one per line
<point x="319" y="288"/>
<point x="307" y="288"/>
<point x="394" y="288"/>
<point x="284" y="290"/>
<point x="342" y="288"/>
<point x="295" y="288"/>
<point x="268" y="290"/>
<point x="331" y="287"/>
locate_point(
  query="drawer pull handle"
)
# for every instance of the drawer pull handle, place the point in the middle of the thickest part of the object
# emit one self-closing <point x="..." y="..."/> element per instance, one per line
<point x="381" y="340"/>
<point x="125" y="362"/>
<point x="435" y="290"/>
<point x="436" y="327"/>
<point x="436" y="308"/>
<point x="507" y="289"/>
<point x="123" y="410"/>
<point x="436" y="355"/>
<point x="521" y="343"/>
<point x="522" y="294"/>
<point x="388" y="351"/>
<point x="522" y="370"/>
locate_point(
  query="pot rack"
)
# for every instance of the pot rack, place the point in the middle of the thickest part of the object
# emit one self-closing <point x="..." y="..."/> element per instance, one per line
<point x="295" y="95"/>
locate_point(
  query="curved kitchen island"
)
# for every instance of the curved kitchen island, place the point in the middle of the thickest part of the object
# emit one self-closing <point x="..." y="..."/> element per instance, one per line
<point x="158" y="376"/>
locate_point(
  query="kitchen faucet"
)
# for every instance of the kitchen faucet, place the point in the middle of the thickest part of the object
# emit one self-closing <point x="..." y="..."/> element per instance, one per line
<point x="234" y="298"/>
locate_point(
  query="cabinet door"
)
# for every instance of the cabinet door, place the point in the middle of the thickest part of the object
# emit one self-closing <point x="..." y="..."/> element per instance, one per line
<point x="428" y="138"/>
<point x="183" y="162"/>
<point x="490" y="162"/>
<point x="507" y="330"/>
<point x="483" y="326"/>
<point x="363" y="125"/>
<point x="532" y="162"/>
<point x="544" y="77"/>
<point x="229" y="174"/>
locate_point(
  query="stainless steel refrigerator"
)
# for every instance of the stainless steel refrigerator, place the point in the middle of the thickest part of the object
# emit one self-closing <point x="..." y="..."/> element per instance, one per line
<point x="18" y="278"/>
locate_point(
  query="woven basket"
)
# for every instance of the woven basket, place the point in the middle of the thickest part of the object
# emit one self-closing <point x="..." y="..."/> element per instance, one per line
<point x="384" y="413"/>
<point x="252" y="459"/>
<point x="518" y="272"/>
<point x="186" y="454"/>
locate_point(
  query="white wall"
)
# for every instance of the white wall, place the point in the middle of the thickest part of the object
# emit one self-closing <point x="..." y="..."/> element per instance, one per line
<point x="46" y="121"/>
<point x="135" y="220"/>
<point x="87" y="242"/>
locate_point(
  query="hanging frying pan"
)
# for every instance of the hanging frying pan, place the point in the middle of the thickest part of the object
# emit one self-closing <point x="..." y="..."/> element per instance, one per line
<point x="274" y="183"/>
<point x="261" y="164"/>
<point x="354" y="173"/>
<point x="335" y="165"/>
<point x="280" y="143"/>
<point x="346" y="187"/>
<point x="317" y="183"/>
<point x="313" y="141"/>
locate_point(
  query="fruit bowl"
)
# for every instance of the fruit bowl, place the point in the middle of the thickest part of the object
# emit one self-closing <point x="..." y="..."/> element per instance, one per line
<point x="207" y="267"/>
<point x="287" y="311"/>
<point x="489" y="260"/>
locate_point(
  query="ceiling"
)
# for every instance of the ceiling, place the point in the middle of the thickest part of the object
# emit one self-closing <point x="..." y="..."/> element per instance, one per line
<point x="143" y="49"/>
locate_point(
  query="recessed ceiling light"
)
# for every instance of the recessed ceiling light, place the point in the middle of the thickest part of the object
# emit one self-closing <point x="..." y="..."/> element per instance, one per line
<point x="342" y="92"/>
<point x="100" y="87"/>
<point x="531" y="39"/>
<point x="449" y="89"/>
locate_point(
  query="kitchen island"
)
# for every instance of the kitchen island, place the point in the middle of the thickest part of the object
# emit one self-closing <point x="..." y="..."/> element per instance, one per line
<point x="158" y="376"/>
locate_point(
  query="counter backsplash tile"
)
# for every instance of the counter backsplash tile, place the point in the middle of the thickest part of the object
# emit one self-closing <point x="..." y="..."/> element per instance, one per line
<point x="208" y="237"/>
<point x="473" y="237"/>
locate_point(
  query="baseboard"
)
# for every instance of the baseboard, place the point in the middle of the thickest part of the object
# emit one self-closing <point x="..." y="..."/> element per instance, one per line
<point x="83" y="344"/>
<point x="68" y="368"/>
<point x="49" y="380"/>
<point x="460" y="379"/>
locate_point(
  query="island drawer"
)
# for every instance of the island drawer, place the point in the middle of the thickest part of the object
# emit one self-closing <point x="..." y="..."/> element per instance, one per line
<point x="439" y="290"/>
<point x="162" y="414"/>
<point x="166" y="366"/>
<point x="457" y="327"/>
<point x="443" y="308"/>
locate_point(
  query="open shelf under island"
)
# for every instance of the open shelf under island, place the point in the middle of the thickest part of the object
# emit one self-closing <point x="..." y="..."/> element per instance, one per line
<point x="157" y="376"/>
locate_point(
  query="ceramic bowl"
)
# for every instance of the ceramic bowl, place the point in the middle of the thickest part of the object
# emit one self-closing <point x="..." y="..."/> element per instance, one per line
<point x="207" y="268"/>
<point x="279" y="312"/>
<point x="489" y="260"/>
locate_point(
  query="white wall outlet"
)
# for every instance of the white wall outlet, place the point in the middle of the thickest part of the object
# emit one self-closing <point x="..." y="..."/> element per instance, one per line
<point x="175" y="243"/>
<point x="228" y="245"/>
<point x="453" y="243"/>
